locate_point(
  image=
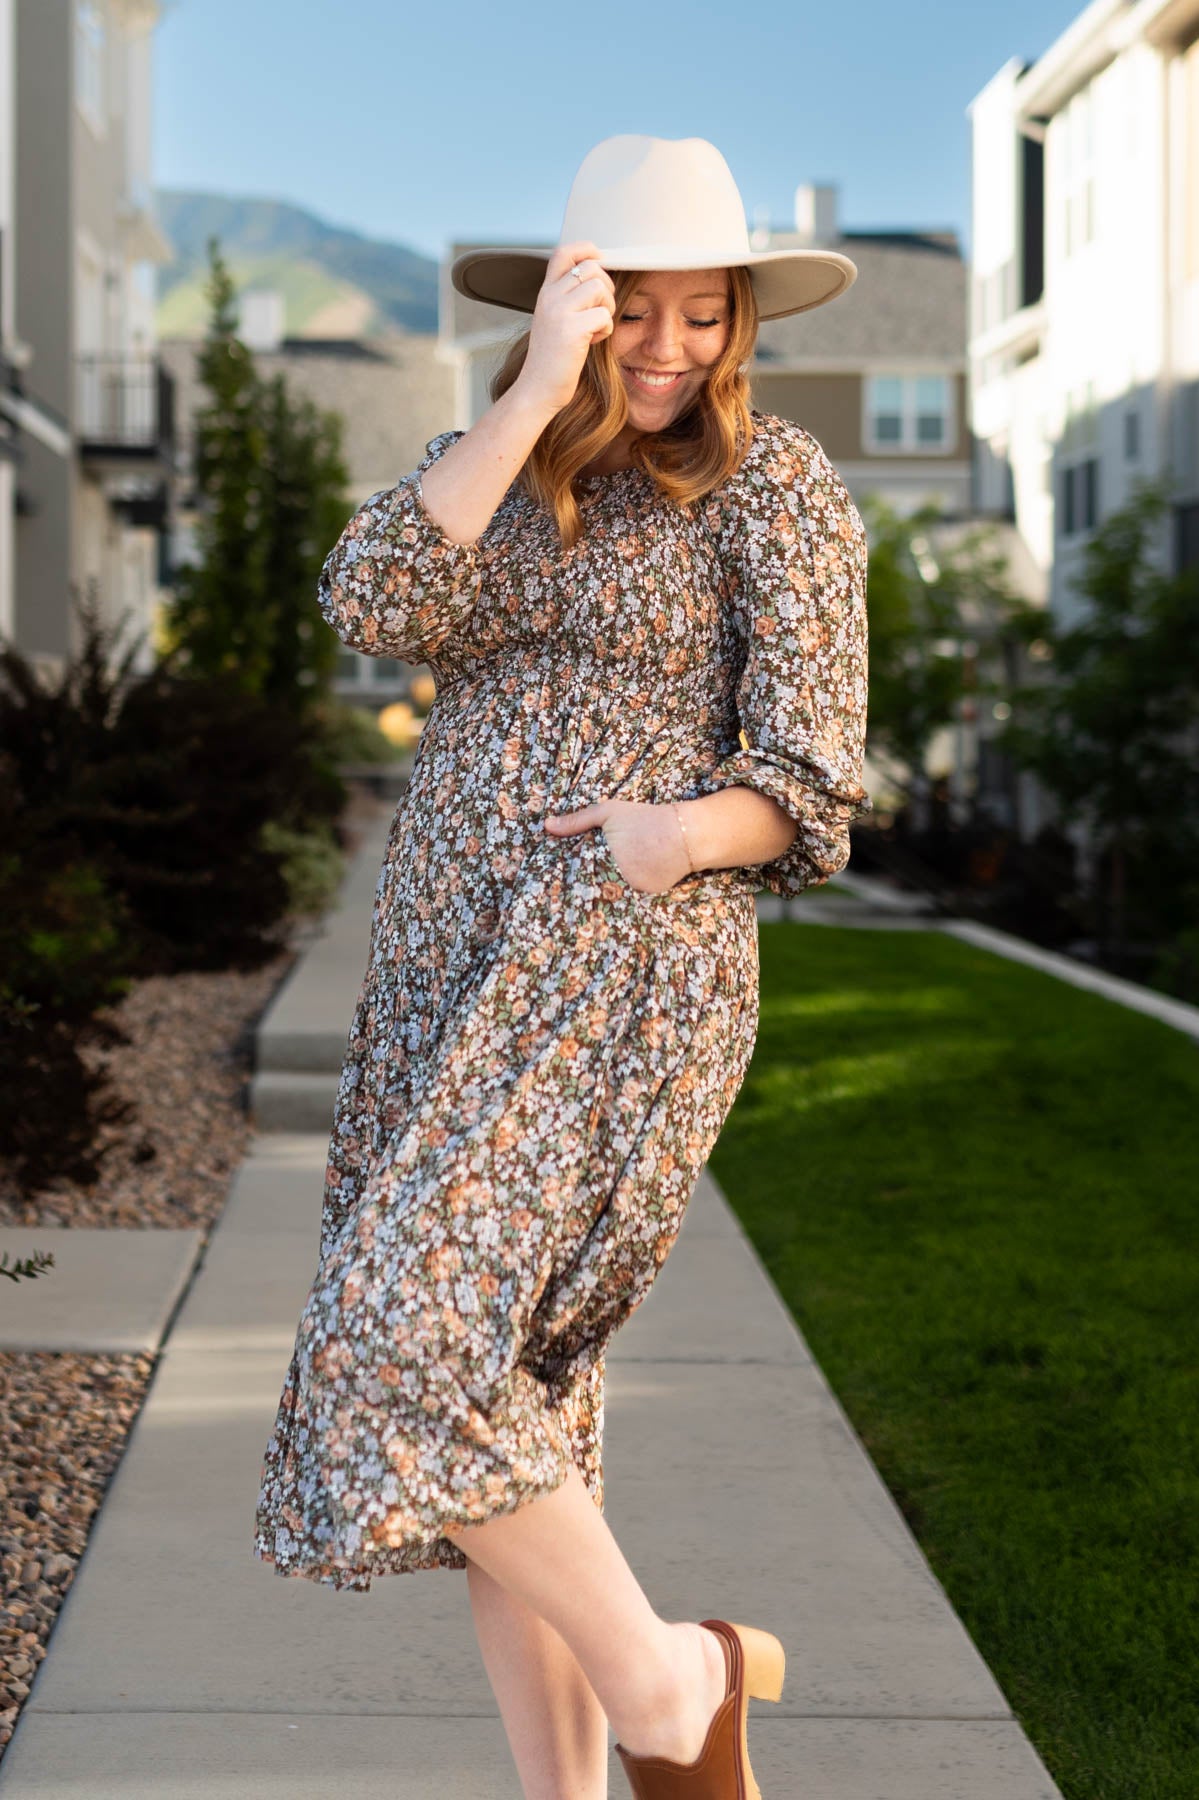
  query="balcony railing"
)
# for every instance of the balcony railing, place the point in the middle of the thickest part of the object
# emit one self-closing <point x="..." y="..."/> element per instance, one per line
<point x="125" y="405"/>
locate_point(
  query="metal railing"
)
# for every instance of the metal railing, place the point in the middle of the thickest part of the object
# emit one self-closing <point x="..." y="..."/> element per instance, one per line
<point x="124" y="402"/>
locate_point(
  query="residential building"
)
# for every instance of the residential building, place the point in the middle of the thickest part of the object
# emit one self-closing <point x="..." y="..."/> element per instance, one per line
<point x="84" y="292"/>
<point x="1084" y="316"/>
<point x="878" y="376"/>
<point x="21" y="417"/>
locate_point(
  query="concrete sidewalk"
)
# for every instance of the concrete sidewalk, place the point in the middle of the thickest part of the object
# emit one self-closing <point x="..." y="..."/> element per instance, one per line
<point x="182" y="1668"/>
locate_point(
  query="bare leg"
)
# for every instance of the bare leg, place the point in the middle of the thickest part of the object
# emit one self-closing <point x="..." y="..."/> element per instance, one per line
<point x="555" y="1724"/>
<point x="658" y="1682"/>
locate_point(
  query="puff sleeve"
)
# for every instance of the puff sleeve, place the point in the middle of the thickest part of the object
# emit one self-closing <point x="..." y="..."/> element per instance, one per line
<point x="793" y="544"/>
<point x="394" y="584"/>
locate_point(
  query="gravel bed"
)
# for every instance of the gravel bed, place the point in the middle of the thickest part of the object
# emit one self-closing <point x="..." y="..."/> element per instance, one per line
<point x="185" y="1068"/>
<point x="64" y="1417"/>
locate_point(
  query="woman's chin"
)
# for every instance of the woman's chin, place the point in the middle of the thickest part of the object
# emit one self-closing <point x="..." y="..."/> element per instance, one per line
<point x="645" y="416"/>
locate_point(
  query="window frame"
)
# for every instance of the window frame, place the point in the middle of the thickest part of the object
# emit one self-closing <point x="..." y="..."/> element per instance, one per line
<point x="91" y="63"/>
<point x="908" y="443"/>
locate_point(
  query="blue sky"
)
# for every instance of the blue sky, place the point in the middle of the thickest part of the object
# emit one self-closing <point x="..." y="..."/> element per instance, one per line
<point x="460" y="118"/>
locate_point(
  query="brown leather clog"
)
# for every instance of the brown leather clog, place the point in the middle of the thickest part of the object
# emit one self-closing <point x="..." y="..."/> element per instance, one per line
<point x="754" y="1663"/>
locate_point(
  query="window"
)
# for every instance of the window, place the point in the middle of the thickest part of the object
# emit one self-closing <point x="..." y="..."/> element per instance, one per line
<point x="1080" y="497"/>
<point x="1132" y="436"/>
<point x="89" y="60"/>
<point x="1079" y="462"/>
<point x="909" y="413"/>
<point x="1076" y="142"/>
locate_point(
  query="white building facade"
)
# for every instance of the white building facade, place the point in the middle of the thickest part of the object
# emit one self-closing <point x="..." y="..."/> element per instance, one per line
<point x="92" y="502"/>
<point x="1084" y="315"/>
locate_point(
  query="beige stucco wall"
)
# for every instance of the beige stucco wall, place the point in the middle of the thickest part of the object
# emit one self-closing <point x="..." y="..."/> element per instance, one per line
<point x="830" y="407"/>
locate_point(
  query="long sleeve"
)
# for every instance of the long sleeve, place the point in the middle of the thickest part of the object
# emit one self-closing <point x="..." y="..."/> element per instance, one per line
<point x="394" y="584"/>
<point x="794" y="546"/>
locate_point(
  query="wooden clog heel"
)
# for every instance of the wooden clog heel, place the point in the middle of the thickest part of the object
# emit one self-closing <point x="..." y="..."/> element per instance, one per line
<point x="754" y="1664"/>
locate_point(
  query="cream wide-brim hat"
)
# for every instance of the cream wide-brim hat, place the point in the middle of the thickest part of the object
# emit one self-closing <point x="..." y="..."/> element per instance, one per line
<point x="659" y="203"/>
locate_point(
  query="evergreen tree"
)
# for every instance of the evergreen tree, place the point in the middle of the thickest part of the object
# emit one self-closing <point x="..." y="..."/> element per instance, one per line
<point x="218" y="621"/>
<point x="271" y="478"/>
<point x="303" y="514"/>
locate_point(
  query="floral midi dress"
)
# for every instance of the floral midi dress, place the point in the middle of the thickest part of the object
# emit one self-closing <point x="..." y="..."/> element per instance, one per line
<point x="541" y="1055"/>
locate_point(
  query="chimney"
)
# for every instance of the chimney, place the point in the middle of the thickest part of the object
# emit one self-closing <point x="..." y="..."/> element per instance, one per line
<point x="262" y="318"/>
<point x="816" y="213"/>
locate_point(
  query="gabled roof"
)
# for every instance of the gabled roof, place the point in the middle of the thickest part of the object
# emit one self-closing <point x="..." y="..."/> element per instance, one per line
<point x="909" y="300"/>
<point x="391" y="391"/>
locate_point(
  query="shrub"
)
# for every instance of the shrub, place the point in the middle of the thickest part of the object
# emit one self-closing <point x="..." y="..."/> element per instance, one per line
<point x="151" y="822"/>
<point x="312" y="864"/>
<point x="351" y="735"/>
<point x="162" y="784"/>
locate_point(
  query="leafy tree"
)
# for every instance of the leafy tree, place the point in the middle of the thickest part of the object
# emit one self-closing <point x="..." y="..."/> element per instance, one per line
<point x="929" y="598"/>
<point x="1112" y="731"/>
<point x="271" y="478"/>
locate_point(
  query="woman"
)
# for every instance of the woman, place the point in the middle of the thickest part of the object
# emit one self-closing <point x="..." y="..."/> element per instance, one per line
<point x="643" y="603"/>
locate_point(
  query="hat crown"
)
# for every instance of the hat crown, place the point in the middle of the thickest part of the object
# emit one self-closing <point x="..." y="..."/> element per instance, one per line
<point x="634" y="191"/>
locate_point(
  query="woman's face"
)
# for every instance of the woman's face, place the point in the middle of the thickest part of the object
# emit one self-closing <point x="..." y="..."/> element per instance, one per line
<point x="675" y="323"/>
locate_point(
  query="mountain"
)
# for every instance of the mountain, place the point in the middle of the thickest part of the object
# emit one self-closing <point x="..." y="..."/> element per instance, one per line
<point x="335" y="283"/>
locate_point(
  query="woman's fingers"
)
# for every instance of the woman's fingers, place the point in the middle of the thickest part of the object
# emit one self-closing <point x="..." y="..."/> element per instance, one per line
<point x="584" y="256"/>
<point x="585" y="819"/>
<point x="572" y="312"/>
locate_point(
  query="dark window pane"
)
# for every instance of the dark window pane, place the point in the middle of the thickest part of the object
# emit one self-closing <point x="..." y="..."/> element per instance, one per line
<point x="1132" y="435"/>
<point x="888" y="428"/>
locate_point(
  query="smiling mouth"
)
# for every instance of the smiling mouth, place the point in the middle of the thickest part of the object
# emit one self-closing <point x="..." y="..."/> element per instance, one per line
<point x="654" y="382"/>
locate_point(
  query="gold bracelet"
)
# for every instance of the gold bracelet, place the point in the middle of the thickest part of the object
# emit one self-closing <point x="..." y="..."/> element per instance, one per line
<point x="686" y="840"/>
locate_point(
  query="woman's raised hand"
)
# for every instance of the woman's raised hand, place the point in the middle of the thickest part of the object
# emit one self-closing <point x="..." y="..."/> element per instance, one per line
<point x="572" y="313"/>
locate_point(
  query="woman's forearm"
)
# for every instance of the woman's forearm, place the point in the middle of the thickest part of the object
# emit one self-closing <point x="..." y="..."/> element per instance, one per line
<point x="736" y="827"/>
<point x="463" y="488"/>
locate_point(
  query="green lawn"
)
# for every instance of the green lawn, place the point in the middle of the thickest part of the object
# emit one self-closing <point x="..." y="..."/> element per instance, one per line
<point x="978" y="1190"/>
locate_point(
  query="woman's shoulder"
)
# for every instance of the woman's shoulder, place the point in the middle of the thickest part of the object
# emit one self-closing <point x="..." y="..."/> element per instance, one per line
<point x="783" y="453"/>
<point x="785" y="465"/>
<point x="437" y="446"/>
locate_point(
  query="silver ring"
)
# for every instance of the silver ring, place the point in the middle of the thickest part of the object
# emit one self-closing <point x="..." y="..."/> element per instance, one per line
<point x="574" y="269"/>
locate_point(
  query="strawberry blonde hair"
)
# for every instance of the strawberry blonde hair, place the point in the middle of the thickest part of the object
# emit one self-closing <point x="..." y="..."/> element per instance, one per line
<point x="693" y="455"/>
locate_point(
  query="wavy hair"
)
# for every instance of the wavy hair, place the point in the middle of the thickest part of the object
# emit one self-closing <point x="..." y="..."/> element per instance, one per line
<point x="690" y="457"/>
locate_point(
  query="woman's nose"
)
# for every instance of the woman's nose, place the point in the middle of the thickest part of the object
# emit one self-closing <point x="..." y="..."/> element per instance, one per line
<point x="662" y="343"/>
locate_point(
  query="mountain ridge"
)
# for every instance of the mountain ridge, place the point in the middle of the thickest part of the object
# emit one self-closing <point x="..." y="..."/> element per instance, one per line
<point x="329" y="275"/>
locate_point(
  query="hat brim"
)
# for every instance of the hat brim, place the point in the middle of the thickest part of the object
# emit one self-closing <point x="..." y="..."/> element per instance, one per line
<point x="784" y="281"/>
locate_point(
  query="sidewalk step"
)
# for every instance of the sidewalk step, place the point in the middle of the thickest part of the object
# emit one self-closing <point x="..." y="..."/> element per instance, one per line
<point x="111" y="1291"/>
<point x="283" y="1100"/>
<point x="304" y="1029"/>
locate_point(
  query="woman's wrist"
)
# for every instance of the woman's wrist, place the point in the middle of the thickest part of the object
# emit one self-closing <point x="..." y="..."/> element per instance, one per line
<point x="733" y="828"/>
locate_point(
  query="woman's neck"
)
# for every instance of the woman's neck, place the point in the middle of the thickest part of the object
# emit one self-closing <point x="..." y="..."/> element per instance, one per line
<point x="614" y="456"/>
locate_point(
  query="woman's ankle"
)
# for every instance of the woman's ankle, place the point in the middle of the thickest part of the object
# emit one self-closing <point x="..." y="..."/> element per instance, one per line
<point x="673" y="1707"/>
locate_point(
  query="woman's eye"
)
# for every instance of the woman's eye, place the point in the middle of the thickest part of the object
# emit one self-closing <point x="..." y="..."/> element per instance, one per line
<point x="699" y="324"/>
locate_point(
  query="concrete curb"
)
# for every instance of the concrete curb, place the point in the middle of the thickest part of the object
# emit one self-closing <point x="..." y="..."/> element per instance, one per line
<point x="1175" y="1013"/>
